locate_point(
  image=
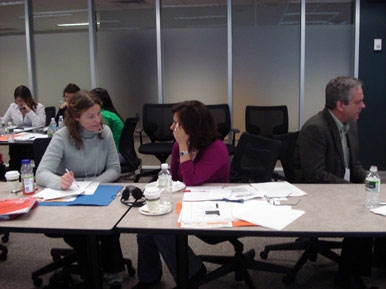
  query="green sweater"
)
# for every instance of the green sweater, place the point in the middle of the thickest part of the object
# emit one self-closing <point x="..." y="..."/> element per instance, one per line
<point x="115" y="124"/>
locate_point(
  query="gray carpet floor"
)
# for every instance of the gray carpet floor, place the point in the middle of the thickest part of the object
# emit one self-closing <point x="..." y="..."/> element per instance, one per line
<point x="28" y="252"/>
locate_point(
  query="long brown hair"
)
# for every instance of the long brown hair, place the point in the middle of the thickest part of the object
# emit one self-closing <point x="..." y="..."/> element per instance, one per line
<point x="82" y="101"/>
<point x="198" y="122"/>
<point x="24" y="92"/>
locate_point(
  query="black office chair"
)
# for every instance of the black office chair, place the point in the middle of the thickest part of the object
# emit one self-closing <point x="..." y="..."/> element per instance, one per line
<point x="126" y="147"/>
<point x="222" y="116"/>
<point x="39" y="148"/>
<point x="266" y="120"/>
<point x="50" y="112"/>
<point x="156" y="119"/>
<point x="311" y="246"/>
<point x="254" y="161"/>
<point x="286" y="156"/>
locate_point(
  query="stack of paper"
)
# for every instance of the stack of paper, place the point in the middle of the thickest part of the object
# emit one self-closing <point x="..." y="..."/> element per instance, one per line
<point x="85" y="188"/>
<point x="11" y="208"/>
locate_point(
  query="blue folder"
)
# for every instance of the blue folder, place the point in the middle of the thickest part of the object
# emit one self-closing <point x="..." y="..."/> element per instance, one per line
<point x="102" y="196"/>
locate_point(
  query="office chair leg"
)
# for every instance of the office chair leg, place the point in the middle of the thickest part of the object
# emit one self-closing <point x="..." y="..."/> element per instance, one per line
<point x="4" y="253"/>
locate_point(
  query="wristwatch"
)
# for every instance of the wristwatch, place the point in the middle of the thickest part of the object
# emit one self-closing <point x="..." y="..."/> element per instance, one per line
<point x="183" y="153"/>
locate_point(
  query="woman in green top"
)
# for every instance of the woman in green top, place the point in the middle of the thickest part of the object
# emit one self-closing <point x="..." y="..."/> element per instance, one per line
<point x="111" y="117"/>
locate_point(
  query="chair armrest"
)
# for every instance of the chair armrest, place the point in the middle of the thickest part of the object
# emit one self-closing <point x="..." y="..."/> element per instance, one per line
<point x="232" y="136"/>
<point x="139" y="131"/>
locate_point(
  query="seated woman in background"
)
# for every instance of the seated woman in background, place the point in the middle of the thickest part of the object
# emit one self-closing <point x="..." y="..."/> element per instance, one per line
<point x="86" y="147"/>
<point x="198" y="157"/>
<point x="25" y="112"/>
<point x="111" y="117"/>
<point x="68" y="93"/>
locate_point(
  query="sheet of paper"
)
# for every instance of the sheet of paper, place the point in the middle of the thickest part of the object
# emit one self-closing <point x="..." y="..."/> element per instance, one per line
<point x="380" y="210"/>
<point x="205" y="193"/>
<point x="206" y="214"/>
<point x="29" y="136"/>
<point x="262" y="213"/>
<point x="277" y="190"/>
<point x="242" y="192"/>
<point x="85" y="188"/>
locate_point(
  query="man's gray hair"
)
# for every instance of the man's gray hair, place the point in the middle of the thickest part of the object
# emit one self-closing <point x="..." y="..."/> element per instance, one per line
<point x="339" y="89"/>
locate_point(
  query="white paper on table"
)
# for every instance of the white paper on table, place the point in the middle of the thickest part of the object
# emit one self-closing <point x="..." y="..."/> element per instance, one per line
<point x="263" y="214"/>
<point x="242" y="192"/>
<point x="205" y="193"/>
<point x="85" y="188"/>
<point x="380" y="210"/>
<point x="206" y="214"/>
<point x="29" y="136"/>
<point x="277" y="190"/>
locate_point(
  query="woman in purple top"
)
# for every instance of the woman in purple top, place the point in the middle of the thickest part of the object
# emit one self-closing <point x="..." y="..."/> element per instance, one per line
<point x="198" y="157"/>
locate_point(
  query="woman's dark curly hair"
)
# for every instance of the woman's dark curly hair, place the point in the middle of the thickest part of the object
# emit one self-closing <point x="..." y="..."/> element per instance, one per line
<point x="198" y="122"/>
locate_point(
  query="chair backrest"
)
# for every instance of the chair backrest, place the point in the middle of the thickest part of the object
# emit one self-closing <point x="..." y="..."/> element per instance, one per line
<point x="39" y="148"/>
<point x="50" y="112"/>
<point x="126" y="144"/>
<point x="254" y="159"/>
<point x="266" y="120"/>
<point x="222" y="116"/>
<point x="157" y="119"/>
<point x="288" y="144"/>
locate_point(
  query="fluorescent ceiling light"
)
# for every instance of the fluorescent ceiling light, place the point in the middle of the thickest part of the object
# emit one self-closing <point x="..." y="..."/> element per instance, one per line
<point x="75" y="24"/>
<point x="72" y="24"/>
<point x="11" y="3"/>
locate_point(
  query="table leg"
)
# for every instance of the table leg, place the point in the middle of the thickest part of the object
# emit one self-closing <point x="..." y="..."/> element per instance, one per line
<point x="182" y="261"/>
<point x="95" y="278"/>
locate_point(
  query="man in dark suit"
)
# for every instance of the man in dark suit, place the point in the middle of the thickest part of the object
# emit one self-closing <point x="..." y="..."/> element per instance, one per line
<point x="327" y="152"/>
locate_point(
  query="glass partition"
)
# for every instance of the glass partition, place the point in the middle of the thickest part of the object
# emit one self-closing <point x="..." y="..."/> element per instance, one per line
<point x="266" y="57"/>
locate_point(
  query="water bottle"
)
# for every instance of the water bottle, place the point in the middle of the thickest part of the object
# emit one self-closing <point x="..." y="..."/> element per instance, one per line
<point x="164" y="183"/>
<point x="372" y="188"/>
<point x="2" y="126"/>
<point x="60" y="121"/>
<point x="27" y="177"/>
<point x="51" y="128"/>
<point x="10" y="132"/>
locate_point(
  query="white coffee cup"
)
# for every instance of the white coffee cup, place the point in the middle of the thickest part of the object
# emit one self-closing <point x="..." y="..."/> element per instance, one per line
<point x="12" y="178"/>
<point x="152" y="196"/>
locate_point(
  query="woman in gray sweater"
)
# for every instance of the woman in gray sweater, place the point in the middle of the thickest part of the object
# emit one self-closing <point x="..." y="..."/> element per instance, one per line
<point x="86" y="148"/>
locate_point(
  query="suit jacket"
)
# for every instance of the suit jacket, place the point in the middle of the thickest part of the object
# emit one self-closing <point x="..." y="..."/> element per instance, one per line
<point x="319" y="154"/>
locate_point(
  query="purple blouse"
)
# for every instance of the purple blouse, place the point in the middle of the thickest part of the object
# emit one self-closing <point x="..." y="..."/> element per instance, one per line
<point x="211" y="165"/>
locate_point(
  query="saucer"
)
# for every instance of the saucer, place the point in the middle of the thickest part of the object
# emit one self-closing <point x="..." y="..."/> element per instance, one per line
<point x="163" y="210"/>
<point x="176" y="186"/>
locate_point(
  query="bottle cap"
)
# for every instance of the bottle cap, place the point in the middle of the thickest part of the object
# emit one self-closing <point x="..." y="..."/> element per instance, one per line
<point x="25" y="161"/>
<point x="164" y="166"/>
<point x="373" y="169"/>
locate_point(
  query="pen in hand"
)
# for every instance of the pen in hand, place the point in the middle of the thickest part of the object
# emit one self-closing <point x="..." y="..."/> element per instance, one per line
<point x="74" y="182"/>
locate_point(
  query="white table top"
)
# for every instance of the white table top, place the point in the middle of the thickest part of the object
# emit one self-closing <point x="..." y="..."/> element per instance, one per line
<point x="331" y="210"/>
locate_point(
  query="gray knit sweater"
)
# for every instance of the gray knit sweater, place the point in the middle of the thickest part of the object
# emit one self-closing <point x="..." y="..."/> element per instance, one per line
<point x="97" y="160"/>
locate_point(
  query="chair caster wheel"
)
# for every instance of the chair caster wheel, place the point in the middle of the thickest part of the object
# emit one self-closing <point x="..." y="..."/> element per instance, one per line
<point x="5" y="238"/>
<point x="288" y="279"/>
<point x="264" y="255"/>
<point x="3" y="256"/>
<point x="37" y="282"/>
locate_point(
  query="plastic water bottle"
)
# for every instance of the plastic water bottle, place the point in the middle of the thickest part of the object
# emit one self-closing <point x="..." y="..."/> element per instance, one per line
<point x="10" y="132"/>
<point x="164" y="183"/>
<point x="372" y="188"/>
<point x="51" y="128"/>
<point x="60" y="121"/>
<point x="2" y="126"/>
<point x="27" y="177"/>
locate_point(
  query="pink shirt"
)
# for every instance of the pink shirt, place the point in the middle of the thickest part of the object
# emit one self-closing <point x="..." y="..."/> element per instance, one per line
<point x="211" y="165"/>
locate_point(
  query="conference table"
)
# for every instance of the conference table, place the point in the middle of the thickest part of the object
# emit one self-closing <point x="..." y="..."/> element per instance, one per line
<point x="331" y="210"/>
<point x="90" y="221"/>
